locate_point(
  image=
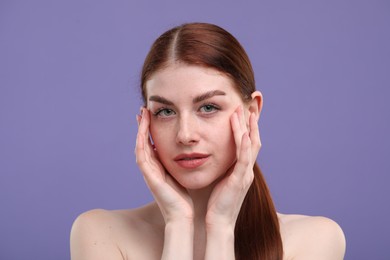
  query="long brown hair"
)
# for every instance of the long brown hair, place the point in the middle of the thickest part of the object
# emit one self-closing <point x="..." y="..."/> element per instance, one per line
<point x="257" y="234"/>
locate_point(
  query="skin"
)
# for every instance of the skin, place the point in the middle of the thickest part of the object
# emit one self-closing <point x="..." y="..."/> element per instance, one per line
<point x="195" y="210"/>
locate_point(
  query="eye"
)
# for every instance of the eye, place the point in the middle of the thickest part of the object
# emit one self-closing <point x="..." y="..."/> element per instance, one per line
<point x="209" y="108"/>
<point x="164" y="112"/>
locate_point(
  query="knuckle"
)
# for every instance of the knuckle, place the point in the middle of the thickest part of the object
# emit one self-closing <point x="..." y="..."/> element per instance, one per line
<point x="234" y="180"/>
<point x="248" y="179"/>
<point x="244" y="160"/>
<point x="256" y="143"/>
<point x="242" y="164"/>
<point x="140" y="161"/>
<point x="137" y="160"/>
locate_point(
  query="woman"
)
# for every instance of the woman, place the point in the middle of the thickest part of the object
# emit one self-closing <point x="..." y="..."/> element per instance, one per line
<point x="196" y="147"/>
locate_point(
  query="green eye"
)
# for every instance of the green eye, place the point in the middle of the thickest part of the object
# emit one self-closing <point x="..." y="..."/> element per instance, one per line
<point x="165" y="112"/>
<point x="209" y="108"/>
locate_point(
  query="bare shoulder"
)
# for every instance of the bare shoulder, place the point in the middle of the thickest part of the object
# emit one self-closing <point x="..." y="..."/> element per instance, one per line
<point x="307" y="237"/>
<point x="112" y="234"/>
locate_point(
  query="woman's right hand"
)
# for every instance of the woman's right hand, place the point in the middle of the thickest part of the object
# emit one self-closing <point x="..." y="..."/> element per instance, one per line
<point x="173" y="200"/>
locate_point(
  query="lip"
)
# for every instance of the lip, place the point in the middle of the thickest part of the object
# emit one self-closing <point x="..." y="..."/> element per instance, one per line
<point x="191" y="160"/>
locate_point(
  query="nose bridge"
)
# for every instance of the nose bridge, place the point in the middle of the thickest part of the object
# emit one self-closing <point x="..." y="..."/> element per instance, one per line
<point x="187" y="129"/>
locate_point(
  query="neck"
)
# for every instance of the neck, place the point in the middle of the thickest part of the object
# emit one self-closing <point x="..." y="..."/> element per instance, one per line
<point x="200" y="200"/>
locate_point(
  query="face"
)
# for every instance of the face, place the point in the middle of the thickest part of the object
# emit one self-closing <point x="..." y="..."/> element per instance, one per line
<point x="190" y="109"/>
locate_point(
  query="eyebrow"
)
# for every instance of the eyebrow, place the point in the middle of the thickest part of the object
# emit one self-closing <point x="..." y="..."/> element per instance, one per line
<point x="161" y="100"/>
<point x="197" y="99"/>
<point x="208" y="95"/>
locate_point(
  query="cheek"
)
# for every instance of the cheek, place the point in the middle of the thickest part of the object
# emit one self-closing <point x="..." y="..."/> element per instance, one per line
<point x="222" y="133"/>
<point x="155" y="133"/>
<point x="161" y="135"/>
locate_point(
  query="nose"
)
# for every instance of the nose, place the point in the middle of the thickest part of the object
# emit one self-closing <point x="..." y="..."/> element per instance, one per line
<point x="187" y="132"/>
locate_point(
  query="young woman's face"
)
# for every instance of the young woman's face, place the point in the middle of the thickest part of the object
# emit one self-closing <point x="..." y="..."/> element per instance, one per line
<point x="190" y="109"/>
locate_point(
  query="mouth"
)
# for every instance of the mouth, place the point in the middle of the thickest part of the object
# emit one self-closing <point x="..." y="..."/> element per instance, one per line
<point x="191" y="161"/>
<point x="190" y="156"/>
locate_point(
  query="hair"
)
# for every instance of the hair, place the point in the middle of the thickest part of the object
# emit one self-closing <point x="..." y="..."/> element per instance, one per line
<point x="257" y="233"/>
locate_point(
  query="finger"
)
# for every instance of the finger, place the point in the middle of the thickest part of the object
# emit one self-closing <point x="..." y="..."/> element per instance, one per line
<point x="151" y="153"/>
<point x="139" y="149"/>
<point x="142" y="138"/>
<point x="241" y="118"/>
<point x="142" y="156"/>
<point x="242" y="167"/>
<point x="144" y="124"/>
<point x="149" y="147"/>
<point x="254" y="135"/>
<point x="237" y="133"/>
<point x="138" y="118"/>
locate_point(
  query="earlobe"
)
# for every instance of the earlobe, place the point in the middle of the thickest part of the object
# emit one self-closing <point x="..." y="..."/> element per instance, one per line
<point x="256" y="104"/>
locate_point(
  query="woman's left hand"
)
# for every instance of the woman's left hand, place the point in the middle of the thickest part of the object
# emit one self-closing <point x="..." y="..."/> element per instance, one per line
<point x="226" y="199"/>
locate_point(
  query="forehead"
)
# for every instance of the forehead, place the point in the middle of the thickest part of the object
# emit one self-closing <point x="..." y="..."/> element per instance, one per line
<point x="180" y="80"/>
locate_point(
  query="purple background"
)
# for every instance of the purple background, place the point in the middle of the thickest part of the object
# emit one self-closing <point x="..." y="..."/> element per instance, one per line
<point x="69" y="95"/>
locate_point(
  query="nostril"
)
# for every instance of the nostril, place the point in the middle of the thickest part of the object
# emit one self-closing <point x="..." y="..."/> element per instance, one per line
<point x="186" y="132"/>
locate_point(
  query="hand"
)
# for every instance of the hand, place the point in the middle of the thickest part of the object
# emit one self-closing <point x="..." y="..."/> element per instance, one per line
<point x="172" y="199"/>
<point x="226" y="199"/>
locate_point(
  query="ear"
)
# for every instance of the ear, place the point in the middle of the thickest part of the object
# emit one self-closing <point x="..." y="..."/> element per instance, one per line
<point x="256" y="104"/>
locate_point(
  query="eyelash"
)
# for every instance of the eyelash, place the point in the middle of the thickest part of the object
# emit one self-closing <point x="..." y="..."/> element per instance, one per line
<point x="214" y="108"/>
<point x="160" y="110"/>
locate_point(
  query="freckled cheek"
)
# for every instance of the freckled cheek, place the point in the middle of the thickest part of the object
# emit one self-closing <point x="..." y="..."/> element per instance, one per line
<point x="161" y="135"/>
<point x="222" y="131"/>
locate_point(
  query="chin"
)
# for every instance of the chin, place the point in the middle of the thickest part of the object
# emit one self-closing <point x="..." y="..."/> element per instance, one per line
<point x="195" y="186"/>
<point x="192" y="184"/>
<point x="197" y="180"/>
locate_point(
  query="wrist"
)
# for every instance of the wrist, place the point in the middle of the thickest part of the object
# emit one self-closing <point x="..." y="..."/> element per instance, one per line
<point x="179" y="219"/>
<point x="225" y="231"/>
<point x="220" y="225"/>
<point x="178" y="240"/>
<point x="183" y="224"/>
<point x="220" y="243"/>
